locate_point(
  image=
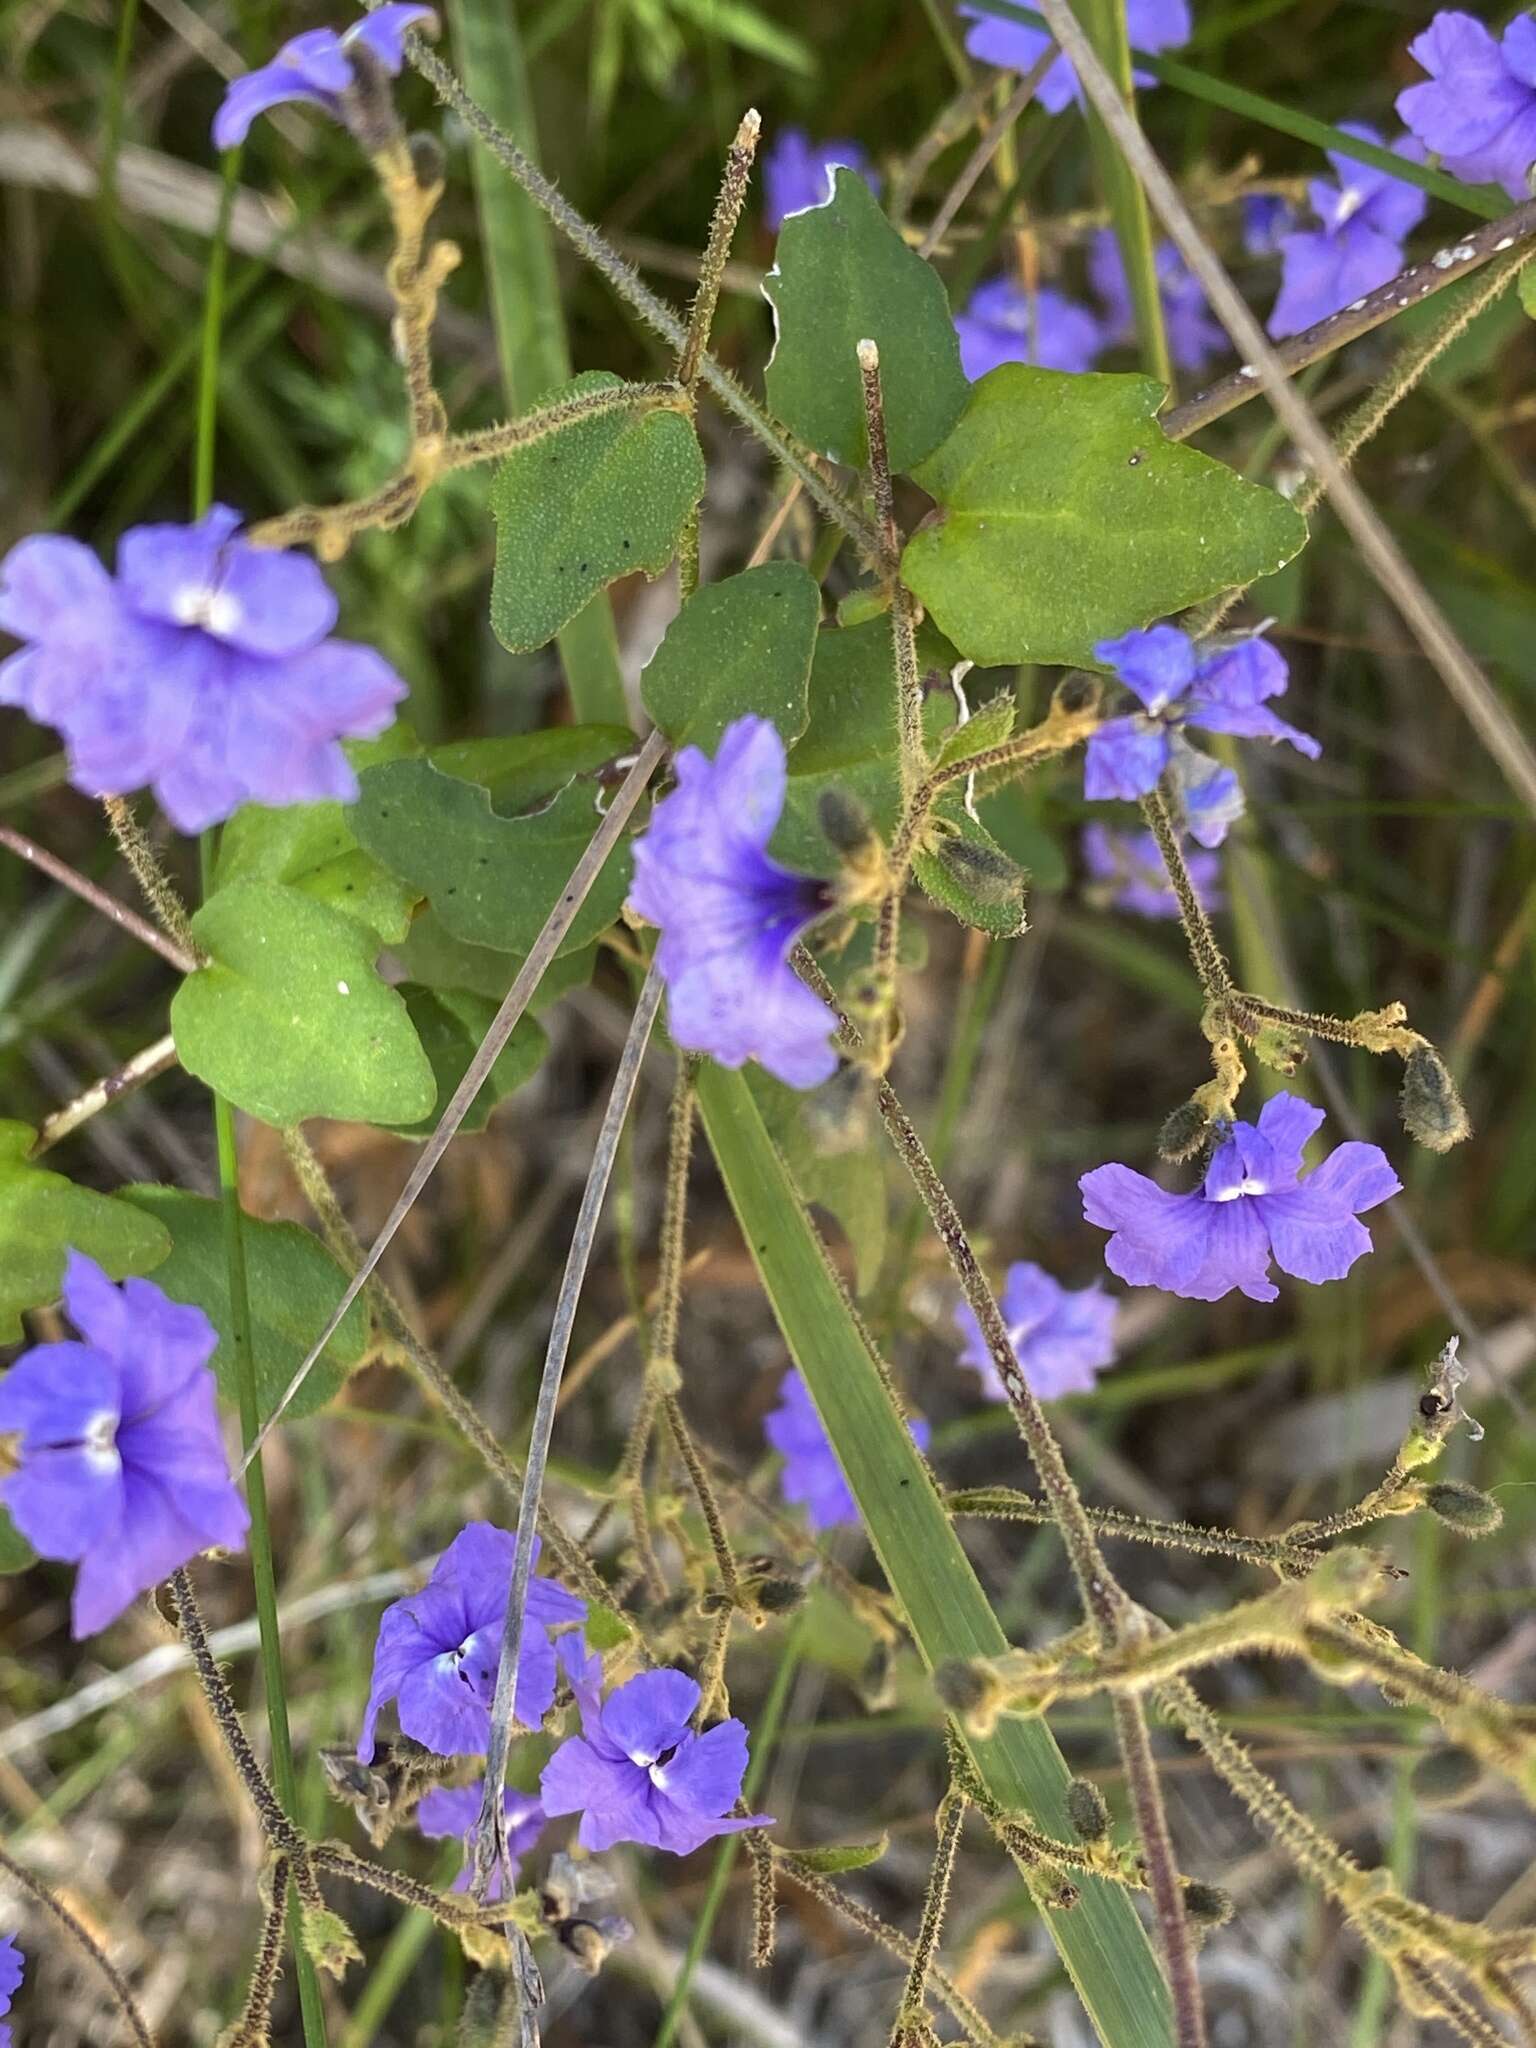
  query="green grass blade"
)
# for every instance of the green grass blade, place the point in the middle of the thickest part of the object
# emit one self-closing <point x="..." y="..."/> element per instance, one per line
<point x="1267" y="113"/>
<point x="524" y="289"/>
<point x="1129" y="215"/>
<point x="1101" y="1940"/>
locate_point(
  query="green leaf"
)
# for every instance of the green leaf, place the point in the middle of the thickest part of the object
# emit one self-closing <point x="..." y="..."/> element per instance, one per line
<point x="962" y="868"/>
<point x="432" y="955"/>
<point x="987" y="727"/>
<point x="289" y="1019"/>
<point x="310" y="847"/>
<point x="493" y="881"/>
<point x="1525" y="284"/>
<point x="16" y="1553"/>
<point x="845" y="275"/>
<point x="1102" y="1942"/>
<point x="835" y="1862"/>
<point x="584" y="506"/>
<point x="836" y="1160"/>
<point x="521" y="768"/>
<point x="1066" y="518"/>
<point x="43" y="1215"/>
<point x="1015" y="818"/>
<point x="450" y="1024"/>
<point x="743" y="645"/>
<point x="293" y="1283"/>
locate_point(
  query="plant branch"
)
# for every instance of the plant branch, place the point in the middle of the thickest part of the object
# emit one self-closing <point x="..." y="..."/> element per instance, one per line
<point x="178" y="956"/>
<point x="85" y="1941"/>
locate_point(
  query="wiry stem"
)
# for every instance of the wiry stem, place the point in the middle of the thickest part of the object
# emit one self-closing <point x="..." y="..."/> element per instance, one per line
<point x="133" y="1073"/>
<point x="1173" y="1931"/>
<point x="911" y="2018"/>
<point x="84" y="1941"/>
<point x="253" y="2028"/>
<point x="722" y="231"/>
<point x="170" y="949"/>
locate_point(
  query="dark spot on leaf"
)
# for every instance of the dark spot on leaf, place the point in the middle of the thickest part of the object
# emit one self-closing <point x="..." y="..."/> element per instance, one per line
<point x="1137" y="456"/>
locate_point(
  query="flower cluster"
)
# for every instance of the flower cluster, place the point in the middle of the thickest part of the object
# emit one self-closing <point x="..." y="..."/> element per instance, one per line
<point x="811" y="1476"/>
<point x="1358" y="244"/>
<point x="1224" y="690"/>
<point x="1251" y="1206"/>
<point x="449" y="1813"/>
<point x="729" y="916"/>
<point x="204" y="669"/>
<point x="1126" y="871"/>
<point x="1195" y="336"/>
<point x="437" y="1650"/>
<point x="1477" y="109"/>
<point x="318" y="69"/>
<point x="12" y="1969"/>
<point x="1003" y="323"/>
<point x="120" y="1463"/>
<point x="640" y="1772"/>
<point x="1062" y="1337"/>
<point x="1150" y="25"/>
<point x="797" y="173"/>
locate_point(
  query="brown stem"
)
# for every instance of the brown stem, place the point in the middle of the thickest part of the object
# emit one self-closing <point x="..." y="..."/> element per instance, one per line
<point x="84" y="1941"/>
<point x="144" y="1066"/>
<point x="722" y="230"/>
<point x="179" y="956"/>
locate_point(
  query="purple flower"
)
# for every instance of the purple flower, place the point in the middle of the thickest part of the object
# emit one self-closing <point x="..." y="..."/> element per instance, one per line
<point x="1221" y="691"/>
<point x="122" y="1468"/>
<point x="1252" y="1206"/>
<point x="729" y="916"/>
<point x="12" y="1969"/>
<point x="451" y="1811"/>
<point x="797" y="173"/>
<point x="204" y="669"/>
<point x="811" y="1475"/>
<point x="1267" y="216"/>
<point x="1477" y="109"/>
<point x="438" y="1649"/>
<point x="1005" y="324"/>
<point x="1152" y="25"/>
<point x="639" y="1773"/>
<point x="1195" y="336"/>
<point x="1359" y="244"/>
<point x="316" y="67"/>
<point x="1128" y="872"/>
<point x="1062" y="1338"/>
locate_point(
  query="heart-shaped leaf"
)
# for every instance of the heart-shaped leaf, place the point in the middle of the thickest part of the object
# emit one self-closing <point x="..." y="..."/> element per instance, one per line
<point x="450" y="1024"/>
<point x="43" y="1216"/>
<point x="742" y="645"/>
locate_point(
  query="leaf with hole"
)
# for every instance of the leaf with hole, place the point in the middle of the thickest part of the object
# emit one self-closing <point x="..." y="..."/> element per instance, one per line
<point x="289" y="1019"/>
<point x="1066" y="518"/>
<point x="492" y="880"/>
<point x="844" y="274"/>
<point x="589" y="503"/>
<point x="43" y="1215"/>
<point x="293" y="1284"/>
<point x="739" y="646"/>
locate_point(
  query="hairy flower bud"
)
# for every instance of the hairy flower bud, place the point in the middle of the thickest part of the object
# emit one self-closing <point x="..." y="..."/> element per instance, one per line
<point x="1087" y="1810"/>
<point x="1077" y="692"/>
<point x="428" y="160"/>
<point x="845" y="822"/>
<point x="1184" y="1131"/>
<point x="1207" y="1904"/>
<point x="1463" y="1508"/>
<point x="968" y="1687"/>
<point x="1446" y="1776"/>
<point x="984" y="872"/>
<point x="1432" y="1110"/>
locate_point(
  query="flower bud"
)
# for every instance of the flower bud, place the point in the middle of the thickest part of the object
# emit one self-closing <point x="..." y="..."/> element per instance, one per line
<point x="845" y="821"/>
<point x="1446" y="1776"/>
<point x="984" y="872"/>
<point x="1087" y="1810"/>
<point x="1207" y="1904"/>
<point x="877" y="1681"/>
<point x="368" y="103"/>
<point x="1077" y="692"/>
<point x="970" y="1690"/>
<point x="1463" y="1508"/>
<point x="428" y="160"/>
<point x="1184" y="1131"/>
<point x="1432" y="1109"/>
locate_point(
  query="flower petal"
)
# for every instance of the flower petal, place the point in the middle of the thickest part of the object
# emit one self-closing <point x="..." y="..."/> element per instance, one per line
<point x="1124" y="759"/>
<point x="650" y="1713"/>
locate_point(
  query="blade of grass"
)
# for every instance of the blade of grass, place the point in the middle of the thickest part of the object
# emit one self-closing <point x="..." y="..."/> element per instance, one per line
<point x="1104" y="22"/>
<point x="1252" y="106"/>
<point x="524" y="289"/>
<point x="1101" y="1941"/>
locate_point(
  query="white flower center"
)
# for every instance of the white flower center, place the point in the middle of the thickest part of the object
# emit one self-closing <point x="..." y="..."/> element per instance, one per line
<point x="1351" y="199"/>
<point x="214" y="610"/>
<point x="658" y="1777"/>
<point x="100" y="1441"/>
<point x="1244" y="1187"/>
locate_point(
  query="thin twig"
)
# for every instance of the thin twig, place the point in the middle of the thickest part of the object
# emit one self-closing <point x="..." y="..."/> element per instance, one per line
<point x="488" y="1837"/>
<point x="516" y="1000"/>
<point x="84" y="1940"/>
<point x="987" y="148"/>
<point x="89" y="892"/>
<point x="722" y="230"/>
<point x="1386" y="561"/>
<point x="144" y="1066"/>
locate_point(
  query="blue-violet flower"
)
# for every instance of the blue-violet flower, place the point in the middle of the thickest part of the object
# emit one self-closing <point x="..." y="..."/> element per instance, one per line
<point x="1126" y="870"/>
<point x="1359" y="245"/>
<point x="639" y="1773"/>
<point x="1195" y="336"/>
<point x="1477" y="108"/>
<point x="121" y="1463"/>
<point x="1151" y="25"/>
<point x="797" y="173"/>
<point x="1251" y="1206"/>
<point x="729" y="916"/>
<point x="1003" y="323"/>
<point x="316" y="67"/>
<point x="450" y="1812"/>
<point x="1267" y="218"/>
<point x="12" y="1970"/>
<point x="811" y="1475"/>
<point x="204" y="669"/>
<point x="438" y="1649"/>
<point x="1061" y="1336"/>
<point x="1220" y="691"/>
